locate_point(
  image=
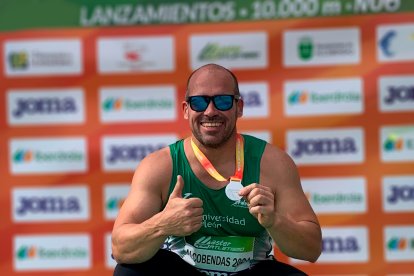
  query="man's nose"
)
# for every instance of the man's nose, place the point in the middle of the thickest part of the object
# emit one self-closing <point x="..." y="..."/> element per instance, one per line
<point x="211" y="109"/>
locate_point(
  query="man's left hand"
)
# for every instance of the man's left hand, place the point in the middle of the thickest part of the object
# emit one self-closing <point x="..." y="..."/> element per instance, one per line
<point x="261" y="202"/>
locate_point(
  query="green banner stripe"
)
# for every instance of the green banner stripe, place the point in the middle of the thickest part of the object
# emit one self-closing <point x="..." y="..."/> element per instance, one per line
<point x="28" y="14"/>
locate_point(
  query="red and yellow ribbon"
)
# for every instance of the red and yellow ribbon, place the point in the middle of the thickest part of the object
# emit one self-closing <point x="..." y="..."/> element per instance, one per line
<point x="238" y="175"/>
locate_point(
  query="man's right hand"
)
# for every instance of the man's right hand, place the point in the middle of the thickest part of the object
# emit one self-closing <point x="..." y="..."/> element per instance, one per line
<point x="181" y="216"/>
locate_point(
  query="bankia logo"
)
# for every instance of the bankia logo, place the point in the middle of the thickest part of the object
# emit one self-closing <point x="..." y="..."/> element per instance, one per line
<point x="336" y="195"/>
<point x="396" y="93"/>
<point x="323" y="97"/>
<point x="69" y="203"/>
<point x="26" y="252"/>
<point x="397" y="143"/>
<point x="136" y="54"/>
<point x="334" y="146"/>
<point x="395" y="43"/>
<point x="137" y="104"/>
<point x="114" y="197"/>
<point x="122" y="104"/>
<point x="399" y="243"/>
<point x="48" y="155"/>
<point x="124" y="153"/>
<point x="111" y="104"/>
<point x="393" y="142"/>
<point x="298" y="97"/>
<point x="46" y="106"/>
<point x="255" y="96"/>
<point x="235" y="50"/>
<point x="43" y="57"/>
<point x="321" y="47"/>
<point x="22" y="156"/>
<point x="398" y="193"/>
<point x="60" y="252"/>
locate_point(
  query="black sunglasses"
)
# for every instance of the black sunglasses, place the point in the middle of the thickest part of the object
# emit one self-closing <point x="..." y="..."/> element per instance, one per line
<point x="221" y="102"/>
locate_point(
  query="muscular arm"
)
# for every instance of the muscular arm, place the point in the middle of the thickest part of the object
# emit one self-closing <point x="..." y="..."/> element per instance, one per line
<point x="137" y="235"/>
<point x="282" y="208"/>
<point x="142" y="226"/>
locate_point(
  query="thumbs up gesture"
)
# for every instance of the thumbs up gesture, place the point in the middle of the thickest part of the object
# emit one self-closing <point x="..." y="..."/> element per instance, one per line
<point x="182" y="216"/>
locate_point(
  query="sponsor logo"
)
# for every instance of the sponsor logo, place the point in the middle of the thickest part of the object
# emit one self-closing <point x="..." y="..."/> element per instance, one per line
<point x="397" y="143"/>
<point x="393" y="143"/>
<point x="346" y="244"/>
<point x="399" y="243"/>
<point x="138" y="104"/>
<point x="255" y="96"/>
<point x="339" y="244"/>
<point x="208" y="242"/>
<point x="385" y="43"/>
<point x="48" y="155"/>
<point x="114" y="197"/>
<point x="234" y="50"/>
<point x="114" y="203"/>
<point x="124" y="153"/>
<point x="36" y="107"/>
<point x="51" y="204"/>
<point x="59" y="252"/>
<point x="305" y="48"/>
<point x="44" y="105"/>
<point x="398" y="193"/>
<point x="400" y="93"/>
<point x="396" y="93"/>
<point x="326" y="146"/>
<point x="395" y="42"/>
<point x="135" y="54"/>
<point x="214" y="51"/>
<point x="19" y="60"/>
<point x="43" y="57"/>
<point x="342" y="96"/>
<point x="321" y="47"/>
<point x="336" y="195"/>
<point x="117" y="104"/>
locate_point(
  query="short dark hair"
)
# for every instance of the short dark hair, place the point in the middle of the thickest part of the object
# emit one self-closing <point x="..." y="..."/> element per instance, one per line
<point x="236" y="82"/>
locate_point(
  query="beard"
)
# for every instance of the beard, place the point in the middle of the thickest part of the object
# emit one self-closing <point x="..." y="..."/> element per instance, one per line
<point x="213" y="141"/>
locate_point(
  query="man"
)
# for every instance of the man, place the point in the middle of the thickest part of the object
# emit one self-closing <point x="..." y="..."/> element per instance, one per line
<point x="214" y="202"/>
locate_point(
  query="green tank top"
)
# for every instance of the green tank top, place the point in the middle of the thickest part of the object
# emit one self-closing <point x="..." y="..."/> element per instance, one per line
<point x="230" y="238"/>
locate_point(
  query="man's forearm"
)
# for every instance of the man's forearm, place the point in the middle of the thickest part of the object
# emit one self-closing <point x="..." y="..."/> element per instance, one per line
<point x="137" y="243"/>
<point x="299" y="240"/>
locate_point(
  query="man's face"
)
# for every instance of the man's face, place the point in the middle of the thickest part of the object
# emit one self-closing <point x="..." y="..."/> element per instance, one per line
<point x="212" y="127"/>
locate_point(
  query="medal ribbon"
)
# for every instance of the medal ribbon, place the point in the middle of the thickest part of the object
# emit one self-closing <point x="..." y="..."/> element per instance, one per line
<point x="238" y="174"/>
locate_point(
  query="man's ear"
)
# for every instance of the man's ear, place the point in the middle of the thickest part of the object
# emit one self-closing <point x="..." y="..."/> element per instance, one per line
<point x="184" y="105"/>
<point x="240" y="105"/>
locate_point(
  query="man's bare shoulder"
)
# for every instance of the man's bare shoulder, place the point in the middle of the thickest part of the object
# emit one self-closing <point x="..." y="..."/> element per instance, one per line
<point x="160" y="157"/>
<point x="278" y="167"/>
<point x="154" y="170"/>
<point x="274" y="156"/>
